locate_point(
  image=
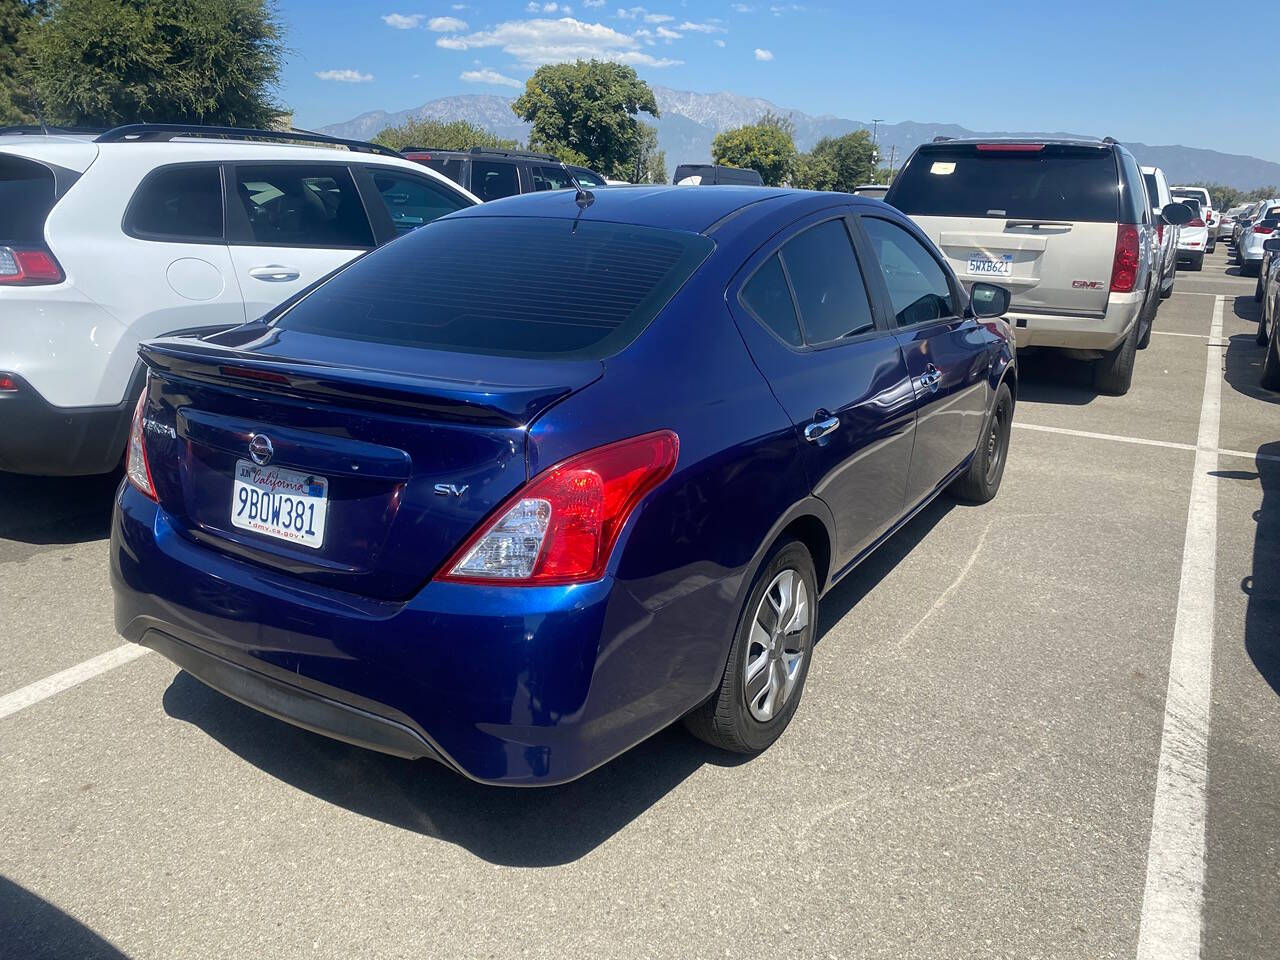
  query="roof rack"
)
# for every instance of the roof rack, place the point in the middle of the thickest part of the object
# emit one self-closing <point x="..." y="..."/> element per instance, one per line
<point x="941" y="139"/>
<point x="35" y="129"/>
<point x="1110" y="140"/>
<point x="164" y="132"/>
<point x="526" y="154"/>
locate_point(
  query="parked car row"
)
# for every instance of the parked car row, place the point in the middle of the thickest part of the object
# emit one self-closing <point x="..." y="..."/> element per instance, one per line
<point x="1262" y="220"/>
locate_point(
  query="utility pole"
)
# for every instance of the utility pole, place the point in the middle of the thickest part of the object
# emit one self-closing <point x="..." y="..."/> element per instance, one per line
<point x="875" y="129"/>
<point x="893" y="152"/>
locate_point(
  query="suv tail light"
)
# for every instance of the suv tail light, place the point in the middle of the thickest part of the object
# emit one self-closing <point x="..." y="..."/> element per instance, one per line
<point x="561" y="528"/>
<point x="1160" y="232"/>
<point x="1262" y="228"/>
<point x="1124" y="269"/>
<point x="28" y="267"/>
<point x="137" y="469"/>
<point x="1197" y="222"/>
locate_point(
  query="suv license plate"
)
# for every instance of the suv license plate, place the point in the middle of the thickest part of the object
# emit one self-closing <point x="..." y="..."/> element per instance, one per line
<point x="984" y="266"/>
<point x="284" y="504"/>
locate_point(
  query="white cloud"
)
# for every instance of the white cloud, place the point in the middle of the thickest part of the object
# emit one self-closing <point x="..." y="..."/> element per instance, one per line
<point x="446" y="25"/>
<point x="711" y="26"/>
<point x="640" y="13"/>
<point x="345" y="76"/>
<point x="764" y="54"/>
<point x="718" y="43"/>
<point x="534" y="7"/>
<point x="538" y="41"/>
<point x="403" y="21"/>
<point x="485" y="75"/>
<point x="668" y="35"/>
<point x="742" y="8"/>
<point x="593" y="3"/>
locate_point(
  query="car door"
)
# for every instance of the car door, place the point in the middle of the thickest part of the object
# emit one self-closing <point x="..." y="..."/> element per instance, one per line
<point x="494" y="179"/>
<point x="802" y="306"/>
<point x="290" y="223"/>
<point x="946" y="353"/>
<point x="399" y="201"/>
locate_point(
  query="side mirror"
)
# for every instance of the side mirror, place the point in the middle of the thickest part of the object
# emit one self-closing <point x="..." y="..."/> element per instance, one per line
<point x="987" y="301"/>
<point x="1272" y="245"/>
<point x="1177" y="214"/>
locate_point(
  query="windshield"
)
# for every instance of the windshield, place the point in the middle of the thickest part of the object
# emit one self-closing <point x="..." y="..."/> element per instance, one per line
<point x="500" y="285"/>
<point x="1055" y="182"/>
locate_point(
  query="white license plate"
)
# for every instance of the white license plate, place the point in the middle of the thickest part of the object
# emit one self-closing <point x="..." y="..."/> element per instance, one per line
<point x="984" y="266"/>
<point x="284" y="504"/>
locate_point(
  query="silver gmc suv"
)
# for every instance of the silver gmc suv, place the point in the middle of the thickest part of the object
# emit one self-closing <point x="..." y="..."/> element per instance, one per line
<point x="1064" y="224"/>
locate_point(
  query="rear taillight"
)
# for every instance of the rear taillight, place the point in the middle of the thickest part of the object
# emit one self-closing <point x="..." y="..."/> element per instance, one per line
<point x="28" y="267"/>
<point x="1010" y="147"/>
<point x="137" y="469"/>
<point x="1124" y="269"/>
<point x="1197" y="222"/>
<point x="7" y="383"/>
<point x="561" y="528"/>
<point x="1261" y="229"/>
<point x="1160" y="232"/>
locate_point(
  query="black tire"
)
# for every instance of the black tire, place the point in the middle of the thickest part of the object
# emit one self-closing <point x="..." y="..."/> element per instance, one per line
<point x="1248" y="269"/>
<point x="1270" y="378"/>
<point x="1166" y="294"/>
<point x="1147" y="322"/>
<point x="1261" y="337"/>
<point x="1257" y="291"/>
<point x="725" y="720"/>
<point x="1113" y="374"/>
<point x="1197" y="262"/>
<point x="981" y="482"/>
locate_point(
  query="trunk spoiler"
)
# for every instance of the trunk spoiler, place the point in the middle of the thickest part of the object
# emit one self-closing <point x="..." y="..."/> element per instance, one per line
<point x="472" y="402"/>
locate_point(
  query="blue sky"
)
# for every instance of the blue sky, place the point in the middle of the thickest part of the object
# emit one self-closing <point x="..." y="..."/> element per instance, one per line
<point x="1146" y="71"/>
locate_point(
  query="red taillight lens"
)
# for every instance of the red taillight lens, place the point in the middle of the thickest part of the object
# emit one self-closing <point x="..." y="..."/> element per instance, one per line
<point x="1261" y="229"/>
<point x="28" y="267"/>
<point x="7" y="383"/>
<point x="561" y="528"/>
<point x="137" y="469"/>
<point x="1124" y="269"/>
<point x="1197" y="222"/>
<point x="1160" y="232"/>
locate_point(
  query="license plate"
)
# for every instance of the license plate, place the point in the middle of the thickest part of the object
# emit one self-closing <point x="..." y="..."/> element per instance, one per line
<point x="284" y="504"/>
<point x="984" y="266"/>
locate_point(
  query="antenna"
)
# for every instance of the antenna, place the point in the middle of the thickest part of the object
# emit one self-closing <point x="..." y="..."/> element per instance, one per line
<point x="582" y="197"/>
<point x="40" y="116"/>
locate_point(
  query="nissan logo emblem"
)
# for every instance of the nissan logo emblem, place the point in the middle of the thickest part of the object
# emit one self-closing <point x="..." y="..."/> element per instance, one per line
<point x="260" y="449"/>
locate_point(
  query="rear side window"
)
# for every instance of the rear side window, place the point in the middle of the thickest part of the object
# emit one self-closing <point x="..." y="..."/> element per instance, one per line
<point x="451" y="167"/>
<point x="412" y="201"/>
<point x="1153" y="190"/>
<point x="587" y="177"/>
<point x="1133" y="196"/>
<point x="182" y="204"/>
<point x="302" y="205"/>
<point x="828" y="284"/>
<point x="514" y="287"/>
<point x="767" y="296"/>
<point x="1057" y="182"/>
<point x="918" y="288"/>
<point x="550" y="178"/>
<point x="493" y="181"/>
<point x="26" y="197"/>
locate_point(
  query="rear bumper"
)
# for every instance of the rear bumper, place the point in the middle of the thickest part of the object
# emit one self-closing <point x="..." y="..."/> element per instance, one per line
<point x="1078" y="332"/>
<point x="519" y="687"/>
<point x="38" y="438"/>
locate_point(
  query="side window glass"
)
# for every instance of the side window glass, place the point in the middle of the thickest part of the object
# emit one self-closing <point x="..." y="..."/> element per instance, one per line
<point x="413" y="202"/>
<point x="829" y="290"/>
<point x="767" y="296"/>
<point x="294" y="205"/>
<point x="493" y="181"/>
<point x="183" y="203"/>
<point x="918" y="287"/>
<point x="550" y="178"/>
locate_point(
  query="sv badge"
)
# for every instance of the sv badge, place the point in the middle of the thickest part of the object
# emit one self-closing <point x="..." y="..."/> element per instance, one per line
<point x="450" y="489"/>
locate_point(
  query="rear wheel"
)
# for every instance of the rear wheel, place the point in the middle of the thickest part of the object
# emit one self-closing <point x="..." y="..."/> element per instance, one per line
<point x="1270" y="378"/>
<point x="1261" y="338"/>
<point x="769" y="660"/>
<point x="981" y="481"/>
<point x="1147" y="319"/>
<point x="1257" y="290"/>
<point x="1114" y="373"/>
<point x="1166" y="293"/>
<point x="1197" y="262"/>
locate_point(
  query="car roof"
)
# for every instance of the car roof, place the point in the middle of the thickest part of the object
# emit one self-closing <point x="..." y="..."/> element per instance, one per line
<point x="668" y="207"/>
<point x="1053" y="139"/>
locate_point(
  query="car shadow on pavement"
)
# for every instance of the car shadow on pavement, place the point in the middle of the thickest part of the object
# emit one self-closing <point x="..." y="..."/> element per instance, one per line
<point x="1242" y="366"/>
<point x="34" y="929"/>
<point x="1262" y="586"/>
<point x="529" y="828"/>
<point x="56" y="510"/>
<point x="541" y="827"/>
<point x="1049" y="376"/>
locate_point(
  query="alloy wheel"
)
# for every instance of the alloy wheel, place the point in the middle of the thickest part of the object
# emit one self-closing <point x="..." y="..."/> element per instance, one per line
<point x="778" y="645"/>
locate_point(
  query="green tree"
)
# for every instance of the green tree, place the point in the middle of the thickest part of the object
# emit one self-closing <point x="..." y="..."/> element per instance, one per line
<point x="585" y="112"/>
<point x="813" y="172"/>
<point x="17" y="19"/>
<point x="767" y="146"/>
<point x="106" y="62"/>
<point x="851" y="156"/>
<point x="438" y="135"/>
<point x="651" y="160"/>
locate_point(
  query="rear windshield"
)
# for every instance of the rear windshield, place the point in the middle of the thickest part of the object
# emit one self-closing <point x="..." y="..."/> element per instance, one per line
<point x="1153" y="190"/>
<point x="514" y="287"/>
<point x="1191" y="202"/>
<point x="1059" y="182"/>
<point x="26" y="197"/>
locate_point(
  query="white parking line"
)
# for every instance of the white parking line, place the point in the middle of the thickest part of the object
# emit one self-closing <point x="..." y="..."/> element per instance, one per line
<point x="1143" y="441"/>
<point x="1173" y="901"/>
<point x="1198" y="336"/>
<point x="33" y="693"/>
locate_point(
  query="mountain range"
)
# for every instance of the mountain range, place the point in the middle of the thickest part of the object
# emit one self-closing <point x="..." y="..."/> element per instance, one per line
<point x="689" y="121"/>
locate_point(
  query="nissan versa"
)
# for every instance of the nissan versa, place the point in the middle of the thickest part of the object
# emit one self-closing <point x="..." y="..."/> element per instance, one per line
<point x="534" y="481"/>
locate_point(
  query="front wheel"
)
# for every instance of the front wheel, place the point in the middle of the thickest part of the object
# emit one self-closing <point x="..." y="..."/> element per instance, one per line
<point x="981" y="481"/>
<point x="769" y="659"/>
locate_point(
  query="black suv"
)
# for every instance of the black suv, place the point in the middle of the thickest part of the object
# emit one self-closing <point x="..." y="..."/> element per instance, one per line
<point x="493" y="174"/>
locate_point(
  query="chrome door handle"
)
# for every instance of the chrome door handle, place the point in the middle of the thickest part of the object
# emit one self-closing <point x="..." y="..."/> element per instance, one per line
<point x="275" y="273"/>
<point x="820" y="428"/>
<point x="930" y="379"/>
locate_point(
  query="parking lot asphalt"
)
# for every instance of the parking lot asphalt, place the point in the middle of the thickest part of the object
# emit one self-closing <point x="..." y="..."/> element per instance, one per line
<point x="972" y="773"/>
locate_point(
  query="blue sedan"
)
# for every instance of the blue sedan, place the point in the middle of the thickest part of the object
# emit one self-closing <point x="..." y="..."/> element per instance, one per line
<point x="541" y="478"/>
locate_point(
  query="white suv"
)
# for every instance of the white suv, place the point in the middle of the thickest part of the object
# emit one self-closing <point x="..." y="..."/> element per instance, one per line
<point x="151" y="229"/>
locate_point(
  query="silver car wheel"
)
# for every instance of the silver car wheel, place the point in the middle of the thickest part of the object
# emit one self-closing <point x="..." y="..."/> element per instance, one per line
<point x="777" y="647"/>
